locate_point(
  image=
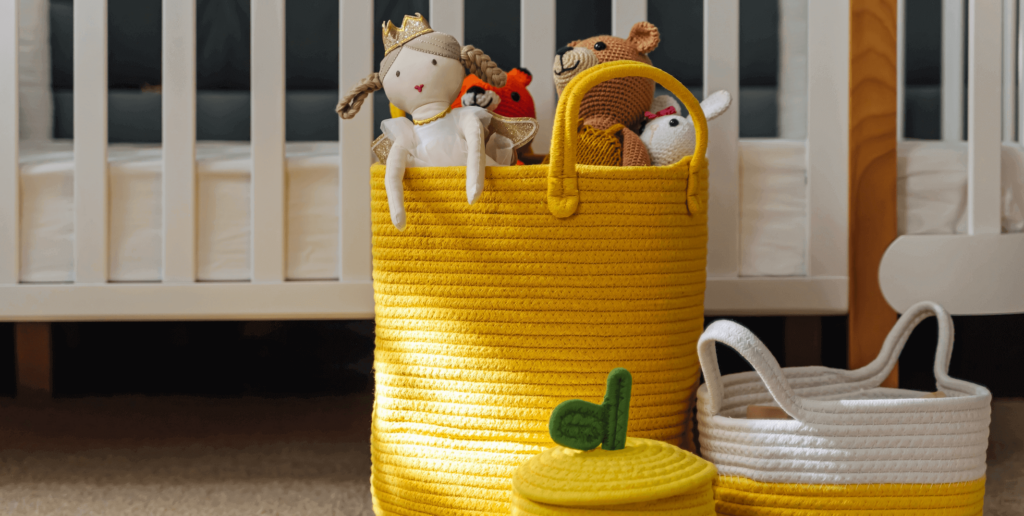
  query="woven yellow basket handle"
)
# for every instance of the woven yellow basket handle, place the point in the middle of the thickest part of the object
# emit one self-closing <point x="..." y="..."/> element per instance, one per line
<point x="563" y="186"/>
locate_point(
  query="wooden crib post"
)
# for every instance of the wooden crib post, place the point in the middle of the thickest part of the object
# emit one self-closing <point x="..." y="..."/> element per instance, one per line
<point x="33" y="358"/>
<point x="873" y="141"/>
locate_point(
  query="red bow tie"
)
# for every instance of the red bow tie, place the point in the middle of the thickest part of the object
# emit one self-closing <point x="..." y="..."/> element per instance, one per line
<point x="671" y="110"/>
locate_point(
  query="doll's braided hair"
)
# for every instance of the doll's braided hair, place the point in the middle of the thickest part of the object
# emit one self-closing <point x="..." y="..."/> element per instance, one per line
<point x="475" y="60"/>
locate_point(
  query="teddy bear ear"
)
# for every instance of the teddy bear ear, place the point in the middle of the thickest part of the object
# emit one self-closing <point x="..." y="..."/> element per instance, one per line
<point x="645" y="36"/>
<point x="524" y="75"/>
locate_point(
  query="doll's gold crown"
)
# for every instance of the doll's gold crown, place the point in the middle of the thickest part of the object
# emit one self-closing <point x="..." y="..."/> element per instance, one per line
<point x="412" y="26"/>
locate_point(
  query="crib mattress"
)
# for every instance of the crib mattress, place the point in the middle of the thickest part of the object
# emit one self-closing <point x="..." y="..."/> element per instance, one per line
<point x="136" y="220"/>
<point x="932" y="188"/>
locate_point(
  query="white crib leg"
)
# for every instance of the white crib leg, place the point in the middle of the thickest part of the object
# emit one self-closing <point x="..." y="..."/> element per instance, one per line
<point x="33" y="359"/>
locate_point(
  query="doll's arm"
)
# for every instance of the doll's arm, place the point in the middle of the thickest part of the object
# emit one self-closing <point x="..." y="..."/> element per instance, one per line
<point x="476" y="164"/>
<point x="393" y="173"/>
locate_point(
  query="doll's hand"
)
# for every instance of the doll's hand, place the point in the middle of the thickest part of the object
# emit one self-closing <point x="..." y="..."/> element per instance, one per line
<point x="393" y="173"/>
<point x="476" y="163"/>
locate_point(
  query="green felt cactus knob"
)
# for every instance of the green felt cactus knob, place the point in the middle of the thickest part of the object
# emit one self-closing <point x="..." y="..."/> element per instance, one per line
<point x="582" y="425"/>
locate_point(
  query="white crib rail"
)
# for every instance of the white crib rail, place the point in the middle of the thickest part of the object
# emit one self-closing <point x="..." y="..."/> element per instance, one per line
<point x="356" y="30"/>
<point x="268" y="165"/>
<point x="10" y="189"/>
<point x="828" y="145"/>
<point x="625" y="14"/>
<point x="952" y="69"/>
<point x="901" y="69"/>
<point x="537" y="44"/>
<point x="984" y="82"/>
<point x="722" y="72"/>
<point x="178" y="120"/>
<point x="1009" y="34"/>
<point x="90" y="126"/>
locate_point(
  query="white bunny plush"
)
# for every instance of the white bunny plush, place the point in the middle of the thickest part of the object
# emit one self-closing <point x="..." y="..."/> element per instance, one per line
<point x="422" y="74"/>
<point x="668" y="135"/>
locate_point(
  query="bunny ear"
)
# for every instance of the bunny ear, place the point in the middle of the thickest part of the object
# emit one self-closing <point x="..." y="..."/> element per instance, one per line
<point x="716" y="104"/>
<point x="663" y="101"/>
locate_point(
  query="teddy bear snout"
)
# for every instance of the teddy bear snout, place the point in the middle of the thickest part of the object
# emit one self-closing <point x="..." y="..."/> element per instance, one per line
<point x="570" y="63"/>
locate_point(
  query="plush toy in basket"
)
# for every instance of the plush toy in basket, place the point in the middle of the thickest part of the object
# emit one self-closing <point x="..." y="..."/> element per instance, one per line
<point x="626" y="476"/>
<point x="837" y="442"/>
<point x="612" y="112"/>
<point x="668" y="135"/>
<point x="422" y="74"/>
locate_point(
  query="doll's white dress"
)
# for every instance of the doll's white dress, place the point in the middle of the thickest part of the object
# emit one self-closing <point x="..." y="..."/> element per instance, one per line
<point x="441" y="143"/>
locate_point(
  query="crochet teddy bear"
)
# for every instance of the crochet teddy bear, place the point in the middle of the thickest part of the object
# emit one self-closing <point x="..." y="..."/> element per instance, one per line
<point x="621" y="101"/>
<point x="669" y="136"/>
<point x="422" y="73"/>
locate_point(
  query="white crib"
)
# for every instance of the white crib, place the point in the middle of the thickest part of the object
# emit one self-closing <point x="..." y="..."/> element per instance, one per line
<point x="973" y="273"/>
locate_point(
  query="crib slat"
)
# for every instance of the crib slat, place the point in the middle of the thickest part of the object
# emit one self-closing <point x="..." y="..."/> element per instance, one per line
<point x="828" y="55"/>
<point x="90" y="127"/>
<point x="179" y="140"/>
<point x="448" y="16"/>
<point x="901" y="69"/>
<point x="793" y="69"/>
<point x="356" y="35"/>
<point x="721" y="72"/>
<point x="10" y="188"/>
<point x="984" y="85"/>
<point x="952" y="70"/>
<point x="537" y="47"/>
<point x="1009" y="68"/>
<point x="1020" y="75"/>
<point x="625" y="14"/>
<point x="268" y="188"/>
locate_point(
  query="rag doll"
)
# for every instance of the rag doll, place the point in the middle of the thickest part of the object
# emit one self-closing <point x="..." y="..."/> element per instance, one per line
<point x="668" y="135"/>
<point x="613" y="110"/>
<point x="422" y="73"/>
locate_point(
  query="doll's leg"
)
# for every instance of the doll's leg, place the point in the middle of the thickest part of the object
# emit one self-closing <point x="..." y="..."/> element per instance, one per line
<point x="476" y="163"/>
<point x="393" y="174"/>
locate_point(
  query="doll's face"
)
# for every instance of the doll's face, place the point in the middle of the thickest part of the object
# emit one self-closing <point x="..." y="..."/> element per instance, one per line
<point x="418" y="78"/>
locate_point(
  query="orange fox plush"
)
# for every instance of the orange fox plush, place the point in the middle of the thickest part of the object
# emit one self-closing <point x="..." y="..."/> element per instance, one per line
<point x="512" y="100"/>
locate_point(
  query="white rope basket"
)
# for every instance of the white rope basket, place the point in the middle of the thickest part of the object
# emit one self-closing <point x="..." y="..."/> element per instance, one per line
<point x="845" y="428"/>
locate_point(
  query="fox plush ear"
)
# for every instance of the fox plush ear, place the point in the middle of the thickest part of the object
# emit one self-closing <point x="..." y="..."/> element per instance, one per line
<point x="524" y="76"/>
<point x="645" y="36"/>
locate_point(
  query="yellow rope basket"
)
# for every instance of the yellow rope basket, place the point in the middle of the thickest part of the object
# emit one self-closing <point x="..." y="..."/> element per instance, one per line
<point x="489" y="315"/>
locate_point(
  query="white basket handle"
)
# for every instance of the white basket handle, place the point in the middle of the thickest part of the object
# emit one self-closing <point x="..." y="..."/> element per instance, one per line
<point x="879" y="368"/>
<point x="754" y="351"/>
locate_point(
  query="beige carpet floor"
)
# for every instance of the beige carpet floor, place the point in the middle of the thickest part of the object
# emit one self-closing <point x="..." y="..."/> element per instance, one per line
<point x="198" y="457"/>
<point x="186" y="456"/>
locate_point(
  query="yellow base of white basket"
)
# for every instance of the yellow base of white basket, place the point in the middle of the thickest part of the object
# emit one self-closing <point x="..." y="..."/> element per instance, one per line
<point x="736" y="496"/>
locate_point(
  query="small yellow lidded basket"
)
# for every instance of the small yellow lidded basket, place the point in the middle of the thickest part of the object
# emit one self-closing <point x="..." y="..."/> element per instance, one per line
<point x="626" y="476"/>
